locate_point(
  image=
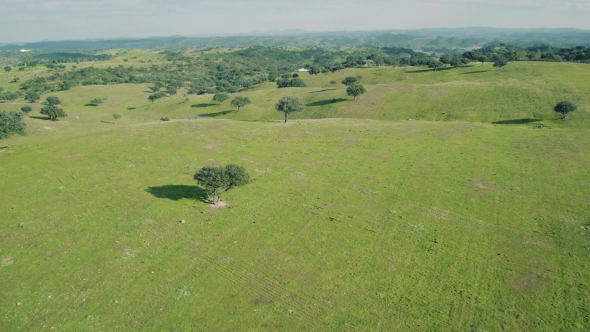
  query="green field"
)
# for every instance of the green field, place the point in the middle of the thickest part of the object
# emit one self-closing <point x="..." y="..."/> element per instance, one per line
<point x="431" y="204"/>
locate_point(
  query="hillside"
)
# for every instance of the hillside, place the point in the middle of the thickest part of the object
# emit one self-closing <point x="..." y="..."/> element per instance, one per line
<point x="465" y="218"/>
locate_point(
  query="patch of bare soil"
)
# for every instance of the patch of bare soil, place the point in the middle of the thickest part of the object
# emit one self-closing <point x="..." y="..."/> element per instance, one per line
<point x="219" y="205"/>
<point x="484" y="185"/>
<point x="7" y="261"/>
<point x="528" y="282"/>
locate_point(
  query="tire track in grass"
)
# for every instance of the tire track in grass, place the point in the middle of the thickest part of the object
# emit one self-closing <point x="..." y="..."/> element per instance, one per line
<point x="261" y="287"/>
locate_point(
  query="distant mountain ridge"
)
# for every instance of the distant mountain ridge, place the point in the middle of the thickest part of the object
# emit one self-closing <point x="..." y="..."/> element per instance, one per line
<point x="428" y="39"/>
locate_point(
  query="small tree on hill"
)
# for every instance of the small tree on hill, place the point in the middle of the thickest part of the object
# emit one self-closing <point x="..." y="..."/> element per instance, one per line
<point x="435" y="64"/>
<point x="217" y="180"/>
<point x="27" y="59"/>
<point x="355" y="90"/>
<point x="26" y="109"/>
<point x="116" y="116"/>
<point x="156" y="95"/>
<point x="564" y="108"/>
<point x="289" y="105"/>
<point x="314" y="70"/>
<point x="10" y="124"/>
<point x="240" y="102"/>
<point x="32" y="97"/>
<point x="500" y="63"/>
<point x="53" y="101"/>
<point x="96" y="101"/>
<point x="482" y="59"/>
<point x="350" y="80"/>
<point x="220" y="97"/>
<point x="7" y="69"/>
<point x="53" y="112"/>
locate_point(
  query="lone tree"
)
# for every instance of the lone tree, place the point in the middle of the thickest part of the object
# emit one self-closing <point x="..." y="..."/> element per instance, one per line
<point x="500" y="63"/>
<point x="10" y="124"/>
<point x="314" y="70"/>
<point x="435" y="65"/>
<point x="26" y="109"/>
<point x="217" y="180"/>
<point x="116" y="116"/>
<point x="156" y="95"/>
<point x="7" y="69"/>
<point x="53" y="112"/>
<point x="32" y="97"/>
<point x="240" y="102"/>
<point x="355" y="90"/>
<point x="288" y="105"/>
<point x="96" y="101"/>
<point x="350" y="80"/>
<point x="53" y="101"/>
<point x="27" y="59"/>
<point x="482" y="59"/>
<point x="564" y="108"/>
<point x="220" y="97"/>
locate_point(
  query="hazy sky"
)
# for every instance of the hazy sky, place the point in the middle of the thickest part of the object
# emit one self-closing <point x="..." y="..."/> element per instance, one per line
<point x="34" y="20"/>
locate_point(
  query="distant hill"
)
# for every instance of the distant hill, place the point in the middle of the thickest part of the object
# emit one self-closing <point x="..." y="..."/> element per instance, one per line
<point x="419" y="39"/>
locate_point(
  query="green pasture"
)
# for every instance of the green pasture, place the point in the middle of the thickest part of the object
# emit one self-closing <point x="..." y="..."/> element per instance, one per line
<point x="464" y="219"/>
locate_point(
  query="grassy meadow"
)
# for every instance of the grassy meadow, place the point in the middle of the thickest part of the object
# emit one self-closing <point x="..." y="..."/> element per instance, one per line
<point x="465" y="218"/>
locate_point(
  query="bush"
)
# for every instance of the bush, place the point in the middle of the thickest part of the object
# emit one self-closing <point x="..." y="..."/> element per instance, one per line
<point x="96" y="101"/>
<point x="217" y="180"/>
<point x="291" y="83"/>
<point x="164" y="119"/>
<point x="10" y="124"/>
<point x="26" y="109"/>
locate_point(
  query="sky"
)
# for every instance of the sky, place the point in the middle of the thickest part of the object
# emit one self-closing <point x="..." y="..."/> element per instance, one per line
<point x="35" y="20"/>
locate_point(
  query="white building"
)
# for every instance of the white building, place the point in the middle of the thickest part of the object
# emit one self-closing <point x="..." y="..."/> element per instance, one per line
<point x="302" y="70"/>
<point x="23" y="50"/>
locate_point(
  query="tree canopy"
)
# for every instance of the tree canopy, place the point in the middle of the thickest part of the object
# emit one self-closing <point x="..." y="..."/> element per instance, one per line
<point x="52" y="101"/>
<point x="216" y="180"/>
<point x="26" y="109"/>
<point x="288" y="105"/>
<point x="240" y="102"/>
<point x="32" y="96"/>
<point x="500" y="63"/>
<point x="220" y="97"/>
<point x="96" y="101"/>
<point x="564" y="108"/>
<point x="10" y="124"/>
<point x="355" y="90"/>
<point x="350" y="80"/>
<point x="291" y="83"/>
<point x="53" y="112"/>
<point x="434" y="64"/>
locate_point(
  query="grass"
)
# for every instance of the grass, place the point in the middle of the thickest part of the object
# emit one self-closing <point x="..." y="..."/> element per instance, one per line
<point x="349" y="224"/>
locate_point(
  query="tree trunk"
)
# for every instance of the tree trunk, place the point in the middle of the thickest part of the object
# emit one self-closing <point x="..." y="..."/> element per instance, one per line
<point x="238" y="109"/>
<point x="286" y="116"/>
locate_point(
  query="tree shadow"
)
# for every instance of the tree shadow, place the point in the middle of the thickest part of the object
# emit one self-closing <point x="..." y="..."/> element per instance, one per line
<point x="517" y="121"/>
<point x="203" y="105"/>
<point x="131" y="108"/>
<point x="326" y="102"/>
<point x="39" y="117"/>
<point x="91" y="105"/>
<point x="476" y="72"/>
<point x="214" y="115"/>
<point x="322" y="90"/>
<point x="178" y="192"/>
<point x="428" y="70"/>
